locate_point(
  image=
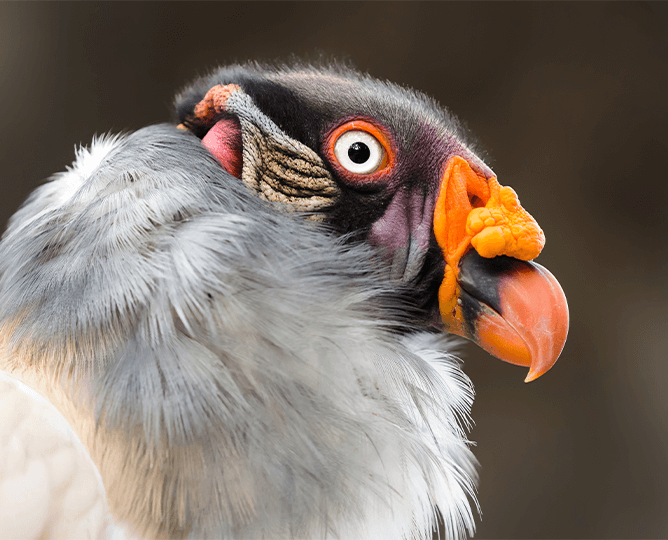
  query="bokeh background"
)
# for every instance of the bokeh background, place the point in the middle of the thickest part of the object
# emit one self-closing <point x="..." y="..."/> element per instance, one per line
<point x="568" y="100"/>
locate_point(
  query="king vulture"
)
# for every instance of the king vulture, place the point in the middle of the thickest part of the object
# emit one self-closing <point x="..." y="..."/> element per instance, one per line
<point x="238" y="326"/>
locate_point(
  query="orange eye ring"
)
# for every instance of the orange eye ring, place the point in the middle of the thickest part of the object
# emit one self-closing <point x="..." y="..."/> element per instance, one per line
<point x="385" y="162"/>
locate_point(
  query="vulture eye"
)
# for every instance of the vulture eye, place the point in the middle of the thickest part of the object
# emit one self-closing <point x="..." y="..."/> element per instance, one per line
<point x="360" y="151"/>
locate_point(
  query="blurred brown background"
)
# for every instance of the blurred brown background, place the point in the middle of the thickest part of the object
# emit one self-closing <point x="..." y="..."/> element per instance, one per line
<point x="569" y="100"/>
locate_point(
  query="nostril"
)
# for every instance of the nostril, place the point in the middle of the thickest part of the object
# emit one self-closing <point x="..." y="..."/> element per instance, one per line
<point x="475" y="201"/>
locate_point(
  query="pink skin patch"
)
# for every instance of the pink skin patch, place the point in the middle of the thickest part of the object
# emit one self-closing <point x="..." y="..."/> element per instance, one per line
<point x="224" y="141"/>
<point x="403" y="232"/>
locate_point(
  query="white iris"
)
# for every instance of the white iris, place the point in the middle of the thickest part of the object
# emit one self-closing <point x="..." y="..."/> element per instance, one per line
<point x="347" y="140"/>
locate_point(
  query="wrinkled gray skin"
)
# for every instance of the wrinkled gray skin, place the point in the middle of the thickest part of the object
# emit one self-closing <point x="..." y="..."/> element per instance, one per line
<point x="235" y="371"/>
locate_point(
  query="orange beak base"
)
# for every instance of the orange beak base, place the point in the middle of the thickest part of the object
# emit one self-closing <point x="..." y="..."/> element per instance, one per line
<point x="514" y="310"/>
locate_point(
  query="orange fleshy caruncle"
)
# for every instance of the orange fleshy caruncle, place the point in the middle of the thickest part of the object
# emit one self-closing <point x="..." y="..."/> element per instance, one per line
<point x="474" y="210"/>
<point x="212" y="104"/>
<point x="503" y="227"/>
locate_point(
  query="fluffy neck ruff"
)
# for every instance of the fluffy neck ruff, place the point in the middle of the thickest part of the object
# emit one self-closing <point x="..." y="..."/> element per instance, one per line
<point x="233" y="372"/>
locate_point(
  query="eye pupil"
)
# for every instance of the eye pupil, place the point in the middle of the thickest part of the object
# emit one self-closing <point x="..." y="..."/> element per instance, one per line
<point x="358" y="152"/>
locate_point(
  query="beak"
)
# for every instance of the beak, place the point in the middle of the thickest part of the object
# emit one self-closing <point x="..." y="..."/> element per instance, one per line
<point x="514" y="309"/>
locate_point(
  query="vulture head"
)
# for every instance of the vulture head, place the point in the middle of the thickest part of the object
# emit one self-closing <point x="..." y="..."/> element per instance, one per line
<point x="388" y="166"/>
<point x="245" y="317"/>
